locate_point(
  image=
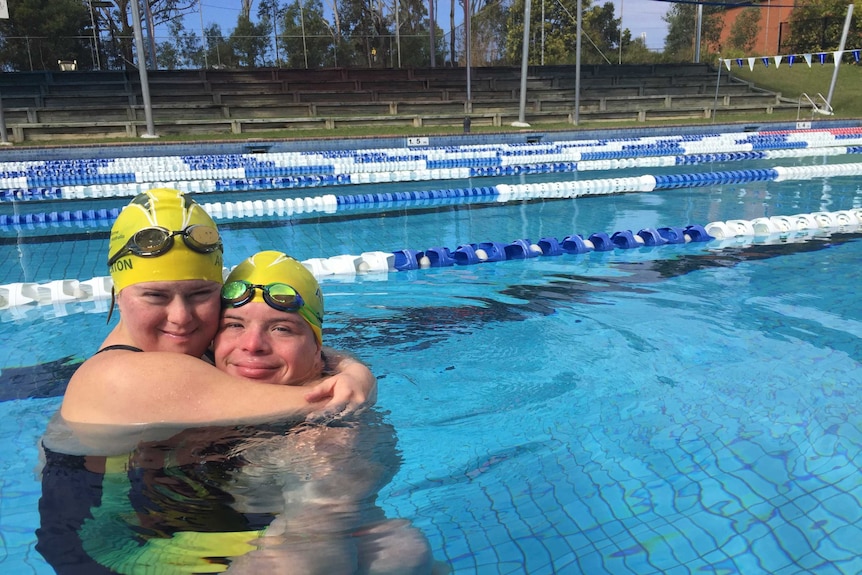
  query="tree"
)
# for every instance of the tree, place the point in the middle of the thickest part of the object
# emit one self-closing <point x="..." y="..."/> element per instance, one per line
<point x="248" y="41"/>
<point x="682" y="30"/>
<point x="600" y="38"/>
<point x="744" y="31"/>
<point x="366" y="25"/>
<point x="817" y="25"/>
<point x="413" y="25"/>
<point x="307" y="38"/>
<point x="38" y="33"/>
<point x="116" y="17"/>
<point x="219" y="52"/>
<point x="186" y="50"/>
<point x="489" y="33"/>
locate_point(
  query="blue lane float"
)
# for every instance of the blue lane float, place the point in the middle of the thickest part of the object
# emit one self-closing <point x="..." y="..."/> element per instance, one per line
<point x="500" y="193"/>
<point x="732" y="233"/>
<point x="122" y="177"/>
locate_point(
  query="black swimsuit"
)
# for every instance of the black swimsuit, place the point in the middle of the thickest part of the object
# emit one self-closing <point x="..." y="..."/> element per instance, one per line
<point x="120" y="346"/>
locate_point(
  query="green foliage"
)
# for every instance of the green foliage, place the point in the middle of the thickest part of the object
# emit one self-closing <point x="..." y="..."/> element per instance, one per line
<point x="743" y="33"/>
<point x="186" y="51"/>
<point x="219" y="53"/>
<point x="793" y="81"/>
<point x="682" y="31"/>
<point x="305" y="36"/>
<point x="600" y="40"/>
<point x="489" y="33"/>
<point x="249" y="41"/>
<point x="817" y="25"/>
<point x="38" y="33"/>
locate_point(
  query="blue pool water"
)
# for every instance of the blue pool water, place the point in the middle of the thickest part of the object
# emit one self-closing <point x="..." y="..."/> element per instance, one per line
<point x="683" y="408"/>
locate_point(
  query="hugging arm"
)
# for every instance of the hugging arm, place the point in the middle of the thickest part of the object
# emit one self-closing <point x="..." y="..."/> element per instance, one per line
<point x="124" y="387"/>
<point x="349" y="385"/>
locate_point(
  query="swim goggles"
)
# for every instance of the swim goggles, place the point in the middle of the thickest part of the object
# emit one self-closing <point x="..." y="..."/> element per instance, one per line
<point x="155" y="241"/>
<point x="277" y="295"/>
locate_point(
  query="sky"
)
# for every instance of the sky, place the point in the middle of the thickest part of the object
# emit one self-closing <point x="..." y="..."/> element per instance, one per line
<point x="639" y="16"/>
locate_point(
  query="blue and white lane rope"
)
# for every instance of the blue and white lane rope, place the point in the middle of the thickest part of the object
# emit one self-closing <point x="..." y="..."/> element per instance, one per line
<point x="123" y="177"/>
<point x="733" y="233"/>
<point x="282" y="207"/>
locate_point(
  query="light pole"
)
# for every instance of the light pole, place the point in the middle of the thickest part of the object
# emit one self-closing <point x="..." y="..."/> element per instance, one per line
<point x="203" y="33"/>
<point x="142" y="71"/>
<point x="621" y="33"/>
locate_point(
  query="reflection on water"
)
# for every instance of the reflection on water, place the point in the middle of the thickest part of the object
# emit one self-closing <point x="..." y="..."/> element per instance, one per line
<point x="276" y="498"/>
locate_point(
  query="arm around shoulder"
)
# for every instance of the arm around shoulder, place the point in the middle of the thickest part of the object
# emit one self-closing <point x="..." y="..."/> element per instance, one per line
<point x="160" y="387"/>
<point x="351" y="385"/>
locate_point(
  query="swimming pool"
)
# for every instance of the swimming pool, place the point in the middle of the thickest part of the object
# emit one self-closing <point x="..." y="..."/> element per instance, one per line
<point x="675" y="408"/>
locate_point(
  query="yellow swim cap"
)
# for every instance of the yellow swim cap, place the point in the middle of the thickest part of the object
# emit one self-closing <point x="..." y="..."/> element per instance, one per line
<point x="174" y="212"/>
<point x="264" y="268"/>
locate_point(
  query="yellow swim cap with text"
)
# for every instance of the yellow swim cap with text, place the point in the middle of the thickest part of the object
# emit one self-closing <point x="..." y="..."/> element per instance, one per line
<point x="264" y="268"/>
<point x="173" y="211"/>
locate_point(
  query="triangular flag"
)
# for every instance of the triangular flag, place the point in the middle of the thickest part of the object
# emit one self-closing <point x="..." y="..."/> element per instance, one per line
<point x="807" y="59"/>
<point x="739" y="62"/>
<point x="822" y="57"/>
<point x="765" y="61"/>
<point x="727" y="64"/>
<point x="836" y="56"/>
<point x="791" y="59"/>
<point x="751" y="64"/>
<point x="777" y="61"/>
<point x="856" y="55"/>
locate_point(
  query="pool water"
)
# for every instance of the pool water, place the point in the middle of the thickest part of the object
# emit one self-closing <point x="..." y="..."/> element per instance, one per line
<point x="676" y="409"/>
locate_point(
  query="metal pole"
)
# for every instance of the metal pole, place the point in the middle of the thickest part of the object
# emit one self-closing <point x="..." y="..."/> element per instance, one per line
<point x="151" y="32"/>
<point x="578" y="65"/>
<point x="717" y="86"/>
<point x="433" y="35"/>
<point x="840" y="54"/>
<point x="467" y="47"/>
<point x="203" y="33"/>
<point x="398" y="32"/>
<point x="95" y="39"/>
<point x="525" y="54"/>
<point x="621" y="33"/>
<point x="302" y="26"/>
<point x="142" y="71"/>
<point x="275" y="33"/>
<point x="4" y="137"/>
<point x="699" y="25"/>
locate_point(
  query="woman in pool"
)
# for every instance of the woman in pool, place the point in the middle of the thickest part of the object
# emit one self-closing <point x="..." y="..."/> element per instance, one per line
<point x="272" y="498"/>
<point x="323" y="479"/>
<point x="165" y="260"/>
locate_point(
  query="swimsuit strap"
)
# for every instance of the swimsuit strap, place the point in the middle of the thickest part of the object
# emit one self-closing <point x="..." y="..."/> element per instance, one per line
<point x="120" y="346"/>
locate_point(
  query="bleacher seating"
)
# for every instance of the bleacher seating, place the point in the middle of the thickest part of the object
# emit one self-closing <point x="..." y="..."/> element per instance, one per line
<point x="62" y="106"/>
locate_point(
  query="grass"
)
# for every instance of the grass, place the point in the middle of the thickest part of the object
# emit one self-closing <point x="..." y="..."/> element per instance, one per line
<point x="793" y="81"/>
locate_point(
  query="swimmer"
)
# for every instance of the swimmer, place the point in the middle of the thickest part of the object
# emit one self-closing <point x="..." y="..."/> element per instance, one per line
<point x="270" y="498"/>
<point x="328" y="475"/>
<point x="165" y="259"/>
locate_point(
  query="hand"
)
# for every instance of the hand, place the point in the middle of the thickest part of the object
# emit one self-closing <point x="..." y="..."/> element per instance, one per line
<point x="350" y="393"/>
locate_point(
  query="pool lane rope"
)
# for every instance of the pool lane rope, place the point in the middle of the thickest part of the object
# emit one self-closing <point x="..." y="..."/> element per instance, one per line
<point x="721" y="234"/>
<point x="123" y="177"/>
<point x="329" y="203"/>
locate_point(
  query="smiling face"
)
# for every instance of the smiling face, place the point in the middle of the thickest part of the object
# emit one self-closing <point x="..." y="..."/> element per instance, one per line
<point x="176" y="316"/>
<point x="258" y="342"/>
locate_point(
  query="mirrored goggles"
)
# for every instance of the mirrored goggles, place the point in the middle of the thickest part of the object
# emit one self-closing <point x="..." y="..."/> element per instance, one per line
<point x="155" y="241"/>
<point x="276" y="295"/>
